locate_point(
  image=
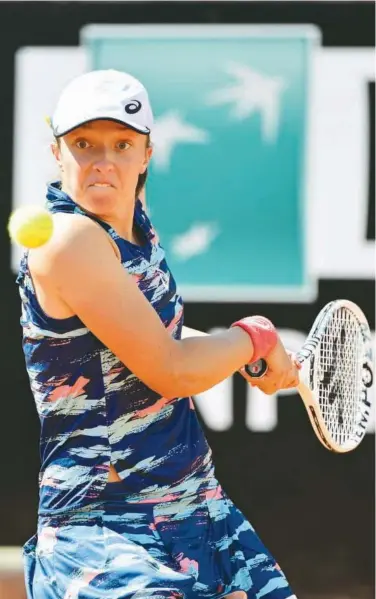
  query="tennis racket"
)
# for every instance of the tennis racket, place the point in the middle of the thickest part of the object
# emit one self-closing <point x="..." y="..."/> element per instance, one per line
<point x="336" y="375"/>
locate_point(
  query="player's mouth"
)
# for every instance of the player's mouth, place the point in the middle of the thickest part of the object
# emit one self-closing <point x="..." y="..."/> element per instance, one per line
<point x="101" y="185"/>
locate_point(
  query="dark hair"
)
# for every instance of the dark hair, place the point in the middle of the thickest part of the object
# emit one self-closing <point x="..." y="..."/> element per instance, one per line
<point x="141" y="178"/>
<point x="141" y="182"/>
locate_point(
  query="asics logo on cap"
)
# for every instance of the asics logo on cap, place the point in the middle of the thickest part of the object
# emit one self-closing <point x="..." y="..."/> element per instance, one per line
<point x="133" y="107"/>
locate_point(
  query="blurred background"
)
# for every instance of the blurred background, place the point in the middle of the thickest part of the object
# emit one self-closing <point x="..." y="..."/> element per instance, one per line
<point x="265" y="163"/>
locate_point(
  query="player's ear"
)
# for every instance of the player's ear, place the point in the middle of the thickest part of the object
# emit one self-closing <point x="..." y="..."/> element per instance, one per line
<point x="56" y="152"/>
<point x="145" y="162"/>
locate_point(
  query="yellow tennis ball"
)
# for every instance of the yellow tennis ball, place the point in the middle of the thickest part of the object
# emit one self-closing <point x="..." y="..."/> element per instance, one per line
<point x="30" y="226"/>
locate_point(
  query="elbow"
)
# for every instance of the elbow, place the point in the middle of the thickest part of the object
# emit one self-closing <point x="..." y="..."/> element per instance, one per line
<point x="174" y="381"/>
<point x="181" y="386"/>
<point x="170" y="387"/>
<point x="170" y="395"/>
<point x="178" y="385"/>
<point x="170" y="377"/>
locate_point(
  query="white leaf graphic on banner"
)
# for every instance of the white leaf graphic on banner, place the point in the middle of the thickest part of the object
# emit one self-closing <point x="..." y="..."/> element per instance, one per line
<point x="253" y="92"/>
<point x="169" y="131"/>
<point x="196" y="240"/>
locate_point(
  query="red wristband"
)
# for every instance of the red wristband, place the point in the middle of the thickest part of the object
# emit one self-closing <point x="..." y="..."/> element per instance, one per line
<point x="262" y="333"/>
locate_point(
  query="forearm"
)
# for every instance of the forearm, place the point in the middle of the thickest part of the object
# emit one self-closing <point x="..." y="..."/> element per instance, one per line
<point x="201" y="361"/>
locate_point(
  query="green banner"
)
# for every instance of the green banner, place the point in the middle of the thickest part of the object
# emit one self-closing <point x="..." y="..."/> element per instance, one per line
<point x="228" y="175"/>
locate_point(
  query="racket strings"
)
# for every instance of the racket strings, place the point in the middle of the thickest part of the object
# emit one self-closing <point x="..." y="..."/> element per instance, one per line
<point x="339" y="374"/>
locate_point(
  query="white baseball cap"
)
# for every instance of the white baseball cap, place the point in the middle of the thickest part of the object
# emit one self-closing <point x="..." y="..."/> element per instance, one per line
<point x="110" y="95"/>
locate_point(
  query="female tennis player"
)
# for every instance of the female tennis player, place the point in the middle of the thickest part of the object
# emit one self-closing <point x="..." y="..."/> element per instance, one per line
<point x="129" y="503"/>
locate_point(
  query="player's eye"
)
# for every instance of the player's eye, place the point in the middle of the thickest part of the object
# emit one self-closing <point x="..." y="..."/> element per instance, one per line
<point x="123" y="145"/>
<point x="82" y="144"/>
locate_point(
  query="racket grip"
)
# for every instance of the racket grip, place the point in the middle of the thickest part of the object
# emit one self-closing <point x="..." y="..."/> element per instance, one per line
<point x="257" y="369"/>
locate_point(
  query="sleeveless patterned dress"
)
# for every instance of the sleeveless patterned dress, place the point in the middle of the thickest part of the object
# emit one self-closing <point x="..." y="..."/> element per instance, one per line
<point x="167" y="530"/>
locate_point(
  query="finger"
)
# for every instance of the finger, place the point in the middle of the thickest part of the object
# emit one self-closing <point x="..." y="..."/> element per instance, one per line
<point x="295" y="361"/>
<point x="295" y="369"/>
<point x="288" y="381"/>
<point x="292" y="384"/>
<point x="267" y="386"/>
<point x="292" y="380"/>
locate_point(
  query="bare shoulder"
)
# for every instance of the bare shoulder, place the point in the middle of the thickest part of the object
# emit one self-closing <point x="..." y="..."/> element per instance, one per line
<point x="76" y="239"/>
<point x="73" y="232"/>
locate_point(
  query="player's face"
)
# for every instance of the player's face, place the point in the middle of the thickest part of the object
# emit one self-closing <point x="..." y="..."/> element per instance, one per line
<point x="100" y="164"/>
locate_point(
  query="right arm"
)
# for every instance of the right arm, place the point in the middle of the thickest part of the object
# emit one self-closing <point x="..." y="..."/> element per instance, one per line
<point x="82" y="269"/>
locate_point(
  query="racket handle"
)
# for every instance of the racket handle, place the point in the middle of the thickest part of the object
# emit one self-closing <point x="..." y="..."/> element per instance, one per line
<point x="257" y="369"/>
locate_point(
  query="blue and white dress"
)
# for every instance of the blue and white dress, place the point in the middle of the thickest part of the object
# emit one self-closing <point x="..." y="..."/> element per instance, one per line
<point x="168" y="529"/>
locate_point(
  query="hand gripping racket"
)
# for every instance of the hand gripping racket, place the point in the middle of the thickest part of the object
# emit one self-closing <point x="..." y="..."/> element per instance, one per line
<point x="336" y="375"/>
